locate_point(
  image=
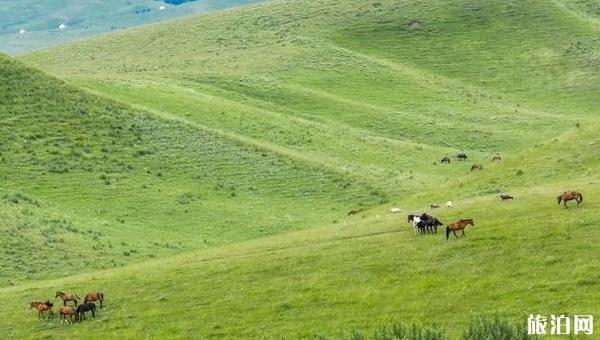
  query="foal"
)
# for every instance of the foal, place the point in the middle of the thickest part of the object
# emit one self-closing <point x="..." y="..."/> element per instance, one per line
<point x="458" y="225"/>
<point x="69" y="311"/>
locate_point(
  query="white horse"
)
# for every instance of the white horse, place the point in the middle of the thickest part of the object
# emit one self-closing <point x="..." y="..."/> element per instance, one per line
<point x="415" y="220"/>
<point x="449" y="204"/>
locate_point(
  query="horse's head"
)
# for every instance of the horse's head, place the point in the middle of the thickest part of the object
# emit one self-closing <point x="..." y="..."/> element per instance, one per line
<point x="58" y="294"/>
<point x="469" y="221"/>
<point x="49" y="303"/>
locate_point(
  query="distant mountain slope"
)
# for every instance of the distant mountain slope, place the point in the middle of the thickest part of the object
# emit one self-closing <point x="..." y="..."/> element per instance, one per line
<point x="383" y="89"/>
<point x="107" y="185"/>
<point x="30" y="25"/>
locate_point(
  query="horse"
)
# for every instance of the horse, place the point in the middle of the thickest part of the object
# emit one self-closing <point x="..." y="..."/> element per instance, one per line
<point x="476" y="167"/>
<point x="85" y="307"/>
<point x="496" y="159"/>
<point x="94" y="296"/>
<point x="68" y="297"/>
<point x="570" y="196"/>
<point x="42" y="308"/>
<point x="462" y="156"/>
<point x="355" y="211"/>
<point x="458" y="225"/>
<point x="69" y="311"/>
<point x="504" y="197"/>
<point x="449" y="204"/>
<point x="434" y="206"/>
<point x="429" y="225"/>
<point x="445" y="160"/>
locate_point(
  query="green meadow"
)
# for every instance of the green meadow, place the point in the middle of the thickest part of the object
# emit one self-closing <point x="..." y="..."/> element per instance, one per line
<point x="200" y="172"/>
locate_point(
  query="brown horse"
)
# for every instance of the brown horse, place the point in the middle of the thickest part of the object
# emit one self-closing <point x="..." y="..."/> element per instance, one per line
<point x="68" y="297"/>
<point x="476" y="167"/>
<point x="458" y="225"/>
<point x="42" y="308"/>
<point x="94" y="296"/>
<point x="69" y="311"/>
<point x="570" y="196"/>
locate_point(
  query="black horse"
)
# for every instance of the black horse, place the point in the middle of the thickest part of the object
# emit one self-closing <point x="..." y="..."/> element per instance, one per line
<point x="462" y="156"/>
<point x="428" y="224"/>
<point x="85" y="307"/>
<point x="445" y="160"/>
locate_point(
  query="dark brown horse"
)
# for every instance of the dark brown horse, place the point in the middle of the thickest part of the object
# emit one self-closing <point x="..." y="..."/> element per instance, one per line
<point x="68" y="297"/>
<point x="42" y="308"/>
<point x="458" y="225"/>
<point x="476" y="167"/>
<point x="505" y="197"/>
<point x="445" y="160"/>
<point x="94" y="296"/>
<point x="67" y="311"/>
<point x="462" y="156"/>
<point x="570" y="196"/>
<point x="496" y="159"/>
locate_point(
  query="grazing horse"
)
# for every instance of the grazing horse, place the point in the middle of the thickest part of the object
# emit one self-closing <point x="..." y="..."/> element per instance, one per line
<point x="42" y="308"/>
<point x="355" y="211"/>
<point x="462" y="156"/>
<point x="69" y="311"/>
<point x="476" y="167"/>
<point x="434" y="206"/>
<point x="570" y="196"/>
<point x="445" y="160"/>
<point x="94" y="296"/>
<point x="496" y="159"/>
<point x="68" y="297"/>
<point x="458" y="225"/>
<point x="504" y="197"/>
<point x="85" y="307"/>
<point x="429" y="225"/>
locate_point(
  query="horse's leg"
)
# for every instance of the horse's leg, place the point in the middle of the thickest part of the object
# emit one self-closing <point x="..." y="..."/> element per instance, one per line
<point x="454" y="232"/>
<point x="93" y="313"/>
<point x="101" y="299"/>
<point x="64" y="302"/>
<point x="463" y="233"/>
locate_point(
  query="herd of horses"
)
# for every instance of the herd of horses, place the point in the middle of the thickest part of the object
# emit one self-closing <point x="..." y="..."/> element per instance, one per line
<point x="68" y="313"/>
<point x="463" y="157"/>
<point x="427" y="224"/>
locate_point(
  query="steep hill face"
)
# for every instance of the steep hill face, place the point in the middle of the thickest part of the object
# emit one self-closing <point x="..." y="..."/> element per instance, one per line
<point x="107" y="185"/>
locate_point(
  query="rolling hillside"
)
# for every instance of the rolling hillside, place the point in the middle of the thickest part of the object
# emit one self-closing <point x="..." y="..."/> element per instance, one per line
<point x="108" y="185"/>
<point x="211" y="162"/>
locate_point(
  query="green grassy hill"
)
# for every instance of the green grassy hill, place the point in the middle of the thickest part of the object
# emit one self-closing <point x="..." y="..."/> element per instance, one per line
<point x="276" y="120"/>
<point x="108" y="185"/>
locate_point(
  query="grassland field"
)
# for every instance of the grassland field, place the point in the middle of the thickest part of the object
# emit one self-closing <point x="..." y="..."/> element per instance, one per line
<point x="199" y="172"/>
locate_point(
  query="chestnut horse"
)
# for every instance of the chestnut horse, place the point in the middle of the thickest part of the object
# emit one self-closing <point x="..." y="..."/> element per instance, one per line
<point x="94" y="296"/>
<point x="458" y="225"/>
<point x="68" y="297"/>
<point x="570" y="196"/>
<point x="42" y="308"/>
<point x="69" y="311"/>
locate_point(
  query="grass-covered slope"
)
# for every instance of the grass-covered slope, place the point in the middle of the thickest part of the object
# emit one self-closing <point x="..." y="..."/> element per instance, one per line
<point x="126" y="186"/>
<point x="378" y="88"/>
<point x="329" y="104"/>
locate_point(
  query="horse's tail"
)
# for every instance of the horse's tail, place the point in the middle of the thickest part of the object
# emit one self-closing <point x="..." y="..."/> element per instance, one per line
<point x="579" y="198"/>
<point x="447" y="232"/>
